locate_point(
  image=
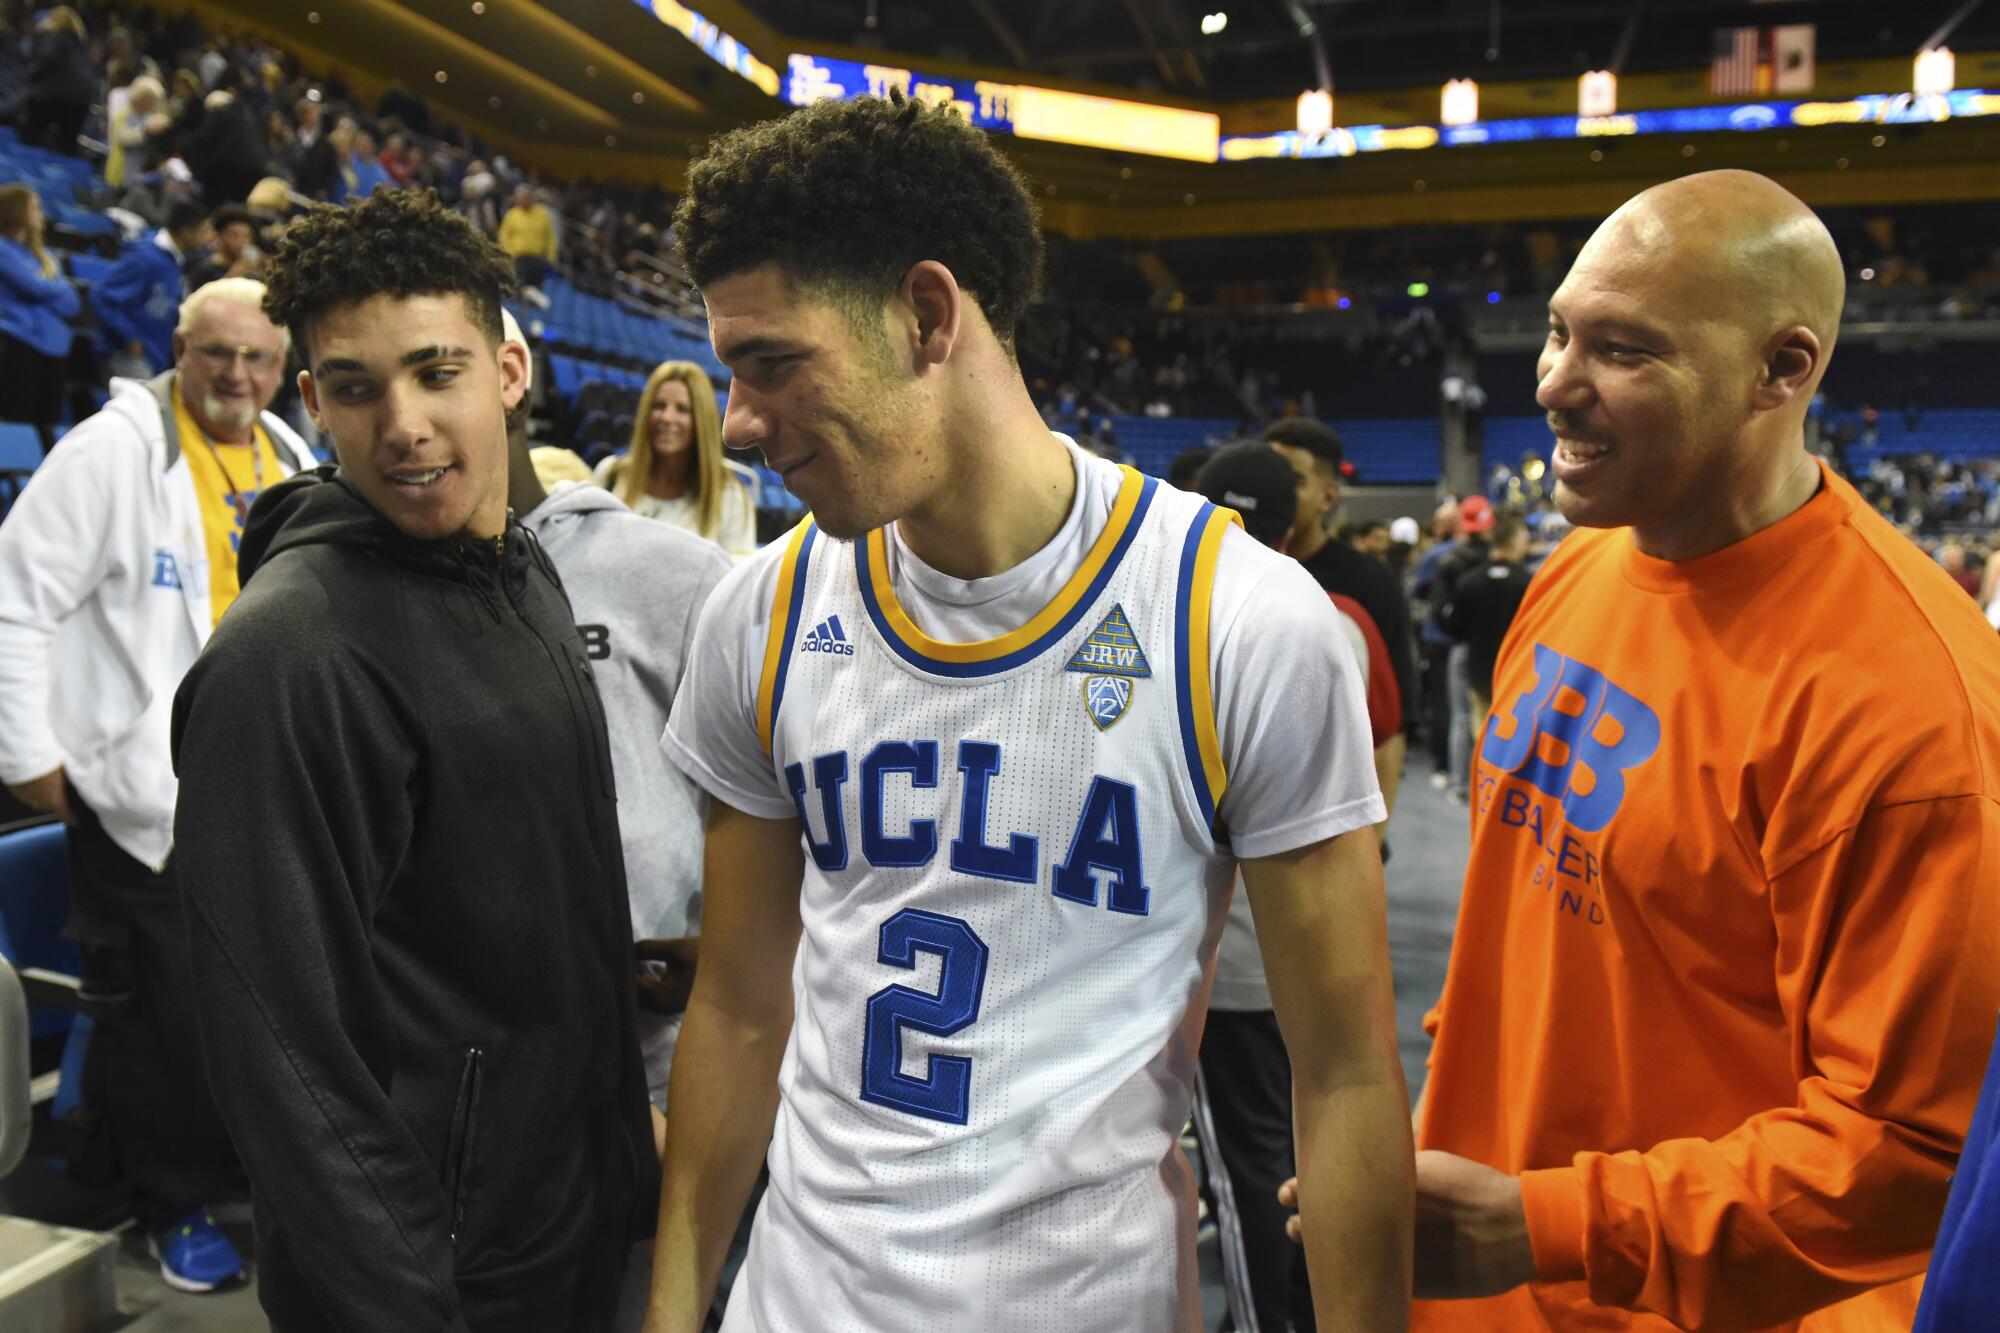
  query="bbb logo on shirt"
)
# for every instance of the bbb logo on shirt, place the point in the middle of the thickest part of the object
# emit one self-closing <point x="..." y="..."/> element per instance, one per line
<point x="1572" y="717"/>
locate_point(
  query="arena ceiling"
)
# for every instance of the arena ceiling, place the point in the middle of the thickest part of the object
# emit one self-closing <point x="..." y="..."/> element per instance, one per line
<point x="603" y="87"/>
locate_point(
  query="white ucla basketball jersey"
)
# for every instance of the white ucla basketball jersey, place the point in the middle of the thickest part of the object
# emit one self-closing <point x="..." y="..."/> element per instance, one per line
<point x="1010" y="907"/>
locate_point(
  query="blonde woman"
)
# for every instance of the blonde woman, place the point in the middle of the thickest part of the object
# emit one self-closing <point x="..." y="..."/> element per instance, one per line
<point x="675" y="470"/>
<point x="36" y="305"/>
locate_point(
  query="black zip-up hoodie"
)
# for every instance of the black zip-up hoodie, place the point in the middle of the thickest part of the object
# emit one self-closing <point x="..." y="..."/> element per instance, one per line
<point x="397" y="842"/>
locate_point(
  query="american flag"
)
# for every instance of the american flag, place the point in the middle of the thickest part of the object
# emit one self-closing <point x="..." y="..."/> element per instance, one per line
<point x="1732" y="71"/>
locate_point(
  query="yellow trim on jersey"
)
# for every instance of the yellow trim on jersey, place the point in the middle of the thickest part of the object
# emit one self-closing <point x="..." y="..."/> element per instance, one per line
<point x="780" y="632"/>
<point x="985" y="650"/>
<point x="1200" y="688"/>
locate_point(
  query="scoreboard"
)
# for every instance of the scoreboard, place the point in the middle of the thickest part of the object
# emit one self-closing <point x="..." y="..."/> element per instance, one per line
<point x="1021" y="109"/>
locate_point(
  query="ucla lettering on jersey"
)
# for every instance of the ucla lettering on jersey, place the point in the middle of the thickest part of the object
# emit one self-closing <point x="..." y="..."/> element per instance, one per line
<point x="1010" y="905"/>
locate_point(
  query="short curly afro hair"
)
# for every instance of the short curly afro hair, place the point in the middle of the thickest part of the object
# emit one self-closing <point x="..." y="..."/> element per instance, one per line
<point x="399" y="242"/>
<point x="847" y="196"/>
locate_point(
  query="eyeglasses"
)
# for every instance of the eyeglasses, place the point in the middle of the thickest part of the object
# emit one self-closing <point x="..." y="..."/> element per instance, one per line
<point x="255" y="359"/>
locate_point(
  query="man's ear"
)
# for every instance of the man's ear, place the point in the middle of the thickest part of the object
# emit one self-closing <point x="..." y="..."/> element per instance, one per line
<point x="180" y="346"/>
<point x="309" y="393"/>
<point x="937" y="308"/>
<point x="513" y="361"/>
<point x="1791" y="361"/>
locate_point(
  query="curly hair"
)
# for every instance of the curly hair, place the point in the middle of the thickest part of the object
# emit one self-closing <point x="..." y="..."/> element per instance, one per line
<point x="399" y="242"/>
<point x="847" y="196"/>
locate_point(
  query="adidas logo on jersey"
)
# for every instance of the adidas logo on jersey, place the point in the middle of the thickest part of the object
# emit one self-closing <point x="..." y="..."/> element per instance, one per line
<point x="828" y="637"/>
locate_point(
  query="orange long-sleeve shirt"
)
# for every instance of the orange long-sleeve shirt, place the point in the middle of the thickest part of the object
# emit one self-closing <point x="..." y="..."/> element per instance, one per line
<point x="1729" y="951"/>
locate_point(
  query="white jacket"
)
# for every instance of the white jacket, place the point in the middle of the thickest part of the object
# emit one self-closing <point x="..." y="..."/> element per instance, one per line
<point x="103" y="607"/>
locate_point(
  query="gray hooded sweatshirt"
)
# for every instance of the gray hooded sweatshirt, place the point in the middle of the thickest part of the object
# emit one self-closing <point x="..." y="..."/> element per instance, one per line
<point x="637" y="588"/>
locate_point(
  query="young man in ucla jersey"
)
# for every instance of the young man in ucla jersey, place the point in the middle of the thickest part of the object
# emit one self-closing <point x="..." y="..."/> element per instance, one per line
<point x="986" y="739"/>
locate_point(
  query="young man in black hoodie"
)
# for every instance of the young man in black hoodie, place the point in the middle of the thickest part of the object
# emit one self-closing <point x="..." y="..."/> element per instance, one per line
<point x="399" y="838"/>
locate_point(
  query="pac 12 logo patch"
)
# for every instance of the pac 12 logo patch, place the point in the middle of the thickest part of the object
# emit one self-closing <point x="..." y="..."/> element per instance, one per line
<point x="1106" y="698"/>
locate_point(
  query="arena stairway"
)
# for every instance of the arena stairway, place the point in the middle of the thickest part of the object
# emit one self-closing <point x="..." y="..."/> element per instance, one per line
<point x="55" y="1279"/>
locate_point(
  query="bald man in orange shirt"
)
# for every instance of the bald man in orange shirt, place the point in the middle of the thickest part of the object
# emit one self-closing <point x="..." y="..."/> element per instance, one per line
<point x="1728" y="958"/>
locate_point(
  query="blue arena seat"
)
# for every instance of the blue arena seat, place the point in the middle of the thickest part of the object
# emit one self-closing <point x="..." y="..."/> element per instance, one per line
<point x="566" y="373"/>
<point x="82" y="222"/>
<point x="34" y="904"/>
<point x="20" y="455"/>
<point x="88" y="268"/>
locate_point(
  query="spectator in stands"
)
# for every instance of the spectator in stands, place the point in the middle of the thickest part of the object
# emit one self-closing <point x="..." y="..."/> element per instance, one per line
<point x="226" y="153"/>
<point x="278" y="137"/>
<point x="62" y="80"/>
<point x="396" y="159"/>
<point x="308" y="119"/>
<point x="300" y="137"/>
<point x="408" y="916"/>
<point x="36" y="305"/>
<point x="327" y="170"/>
<point x="1313" y="449"/>
<point x="1714" y="1022"/>
<point x="1480" y="610"/>
<point x="675" y="469"/>
<point x="116" y="564"/>
<point x="138" y="298"/>
<point x="1370" y="537"/>
<point x="127" y="113"/>
<point x="528" y="234"/>
<point x="479" y="198"/>
<point x="1244" y="1117"/>
<point x="1187" y="465"/>
<point x="366" y="165"/>
<point x="1435" y="643"/>
<point x="184" y="107"/>
<point x="1470" y="552"/>
<point x="233" y="253"/>
<point x="1951" y="558"/>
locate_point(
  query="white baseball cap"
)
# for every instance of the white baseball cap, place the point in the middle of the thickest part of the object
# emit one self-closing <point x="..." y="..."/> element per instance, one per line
<point x="1404" y="530"/>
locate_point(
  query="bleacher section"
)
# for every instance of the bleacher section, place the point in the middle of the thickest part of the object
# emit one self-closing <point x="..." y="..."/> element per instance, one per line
<point x="1955" y="434"/>
<point x="1400" y="452"/>
<point x="1952" y="434"/>
<point x="58" y="180"/>
<point x="600" y="328"/>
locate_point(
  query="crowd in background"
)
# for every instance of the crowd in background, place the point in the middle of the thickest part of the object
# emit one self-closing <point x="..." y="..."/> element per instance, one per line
<point x="215" y="140"/>
<point x="184" y="115"/>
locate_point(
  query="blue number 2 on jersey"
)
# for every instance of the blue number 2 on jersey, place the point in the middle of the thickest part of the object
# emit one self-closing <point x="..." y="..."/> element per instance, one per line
<point x="945" y="1092"/>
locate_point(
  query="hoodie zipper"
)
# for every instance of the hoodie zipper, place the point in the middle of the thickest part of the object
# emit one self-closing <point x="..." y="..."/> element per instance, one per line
<point x="458" y="1148"/>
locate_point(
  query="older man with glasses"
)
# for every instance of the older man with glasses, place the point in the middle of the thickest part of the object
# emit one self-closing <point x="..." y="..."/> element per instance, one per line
<point x="116" y="564"/>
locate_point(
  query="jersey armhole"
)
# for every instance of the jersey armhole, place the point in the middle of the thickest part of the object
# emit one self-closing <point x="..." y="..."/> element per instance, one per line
<point x="1193" y="600"/>
<point x="786" y="604"/>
